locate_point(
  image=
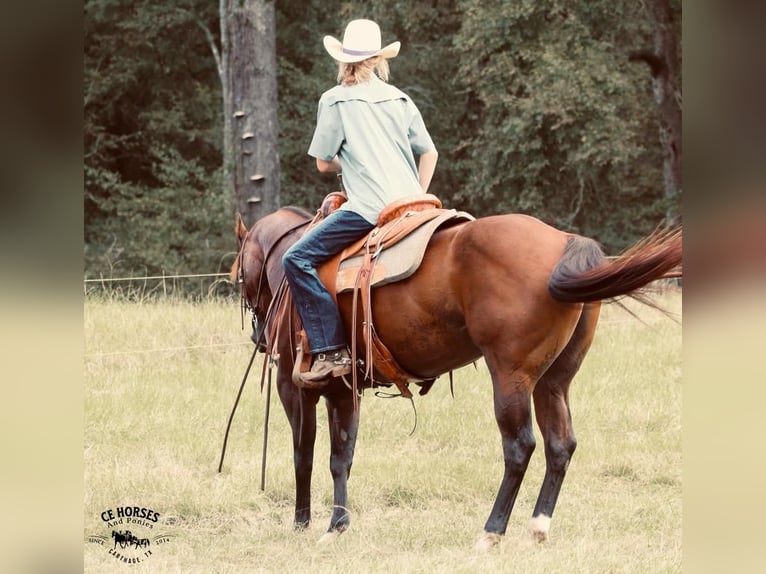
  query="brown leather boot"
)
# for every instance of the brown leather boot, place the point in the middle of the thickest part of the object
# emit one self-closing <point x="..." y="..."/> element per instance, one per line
<point x="332" y="364"/>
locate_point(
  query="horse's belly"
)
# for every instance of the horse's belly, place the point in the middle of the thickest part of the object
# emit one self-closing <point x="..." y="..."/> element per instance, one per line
<point x="420" y="319"/>
<point x="425" y="344"/>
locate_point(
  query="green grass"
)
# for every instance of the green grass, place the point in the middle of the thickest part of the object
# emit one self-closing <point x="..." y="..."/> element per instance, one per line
<point x="160" y="380"/>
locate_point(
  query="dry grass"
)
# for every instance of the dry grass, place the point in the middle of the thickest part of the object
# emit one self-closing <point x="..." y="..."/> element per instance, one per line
<point x="160" y="381"/>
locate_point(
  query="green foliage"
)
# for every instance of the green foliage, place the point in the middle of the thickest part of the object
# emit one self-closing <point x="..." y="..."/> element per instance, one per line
<point x="303" y="74"/>
<point x="534" y="107"/>
<point x="171" y="227"/>
<point x="559" y="119"/>
<point x="153" y="198"/>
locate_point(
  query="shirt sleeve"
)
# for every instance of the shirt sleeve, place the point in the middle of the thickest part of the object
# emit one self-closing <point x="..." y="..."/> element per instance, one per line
<point x="420" y="139"/>
<point x="328" y="134"/>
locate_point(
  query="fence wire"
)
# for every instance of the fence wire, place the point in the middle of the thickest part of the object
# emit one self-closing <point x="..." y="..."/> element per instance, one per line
<point x="142" y="287"/>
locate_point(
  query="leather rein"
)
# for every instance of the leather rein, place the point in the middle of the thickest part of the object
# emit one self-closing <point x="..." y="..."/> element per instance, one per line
<point x="246" y="304"/>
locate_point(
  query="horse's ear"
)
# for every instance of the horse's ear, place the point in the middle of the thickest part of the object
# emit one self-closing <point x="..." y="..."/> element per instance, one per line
<point x="240" y="230"/>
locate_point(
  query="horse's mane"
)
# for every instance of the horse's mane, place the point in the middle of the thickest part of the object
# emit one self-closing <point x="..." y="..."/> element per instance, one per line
<point x="241" y="231"/>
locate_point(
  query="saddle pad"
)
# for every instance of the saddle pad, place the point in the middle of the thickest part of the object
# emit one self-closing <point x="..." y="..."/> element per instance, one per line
<point x="401" y="259"/>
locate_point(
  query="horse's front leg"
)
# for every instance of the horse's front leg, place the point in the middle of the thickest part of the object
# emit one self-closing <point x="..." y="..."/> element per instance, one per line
<point x="300" y="407"/>
<point x="344" y="424"/>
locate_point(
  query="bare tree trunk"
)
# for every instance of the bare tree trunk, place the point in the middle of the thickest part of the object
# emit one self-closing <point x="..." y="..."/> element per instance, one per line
<point x="251" y="128"/>
<point x="224" y="73"/>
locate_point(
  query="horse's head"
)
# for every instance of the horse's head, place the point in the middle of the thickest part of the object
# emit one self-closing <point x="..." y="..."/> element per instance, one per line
<point x="248" y="270"/>
<point x="258" y="265"/>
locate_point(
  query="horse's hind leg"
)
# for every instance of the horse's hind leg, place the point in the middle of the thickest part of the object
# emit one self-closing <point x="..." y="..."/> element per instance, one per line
<point x="551" y="399"/>
<point x="344" y="423"/>
<point x="512" y="400"/>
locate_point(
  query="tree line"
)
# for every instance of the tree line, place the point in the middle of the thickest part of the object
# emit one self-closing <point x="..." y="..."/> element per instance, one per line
<point x="565" y="110"/>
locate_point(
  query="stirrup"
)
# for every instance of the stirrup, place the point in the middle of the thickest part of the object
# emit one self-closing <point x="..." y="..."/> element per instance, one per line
<point x="298" y="380"/>
<point x="327" y="365"/>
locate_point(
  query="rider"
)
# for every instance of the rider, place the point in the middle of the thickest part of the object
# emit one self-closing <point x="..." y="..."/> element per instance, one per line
<point x="371" y="131"/>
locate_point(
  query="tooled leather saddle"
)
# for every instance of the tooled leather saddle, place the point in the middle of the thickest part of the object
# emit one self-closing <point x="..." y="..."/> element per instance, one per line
<point x="392" y="251"/>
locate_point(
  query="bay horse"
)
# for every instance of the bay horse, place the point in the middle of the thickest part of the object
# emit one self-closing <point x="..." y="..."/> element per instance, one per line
<point x="522" y="294"/>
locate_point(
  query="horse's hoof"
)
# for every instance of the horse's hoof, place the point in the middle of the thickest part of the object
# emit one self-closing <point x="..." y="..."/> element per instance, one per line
<point x="328" y="538"/>
<point x="538" y="528"/>
<point x="487" y="541"/>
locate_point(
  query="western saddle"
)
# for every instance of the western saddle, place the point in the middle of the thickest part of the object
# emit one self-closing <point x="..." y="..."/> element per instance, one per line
<point x="392" y="251"/>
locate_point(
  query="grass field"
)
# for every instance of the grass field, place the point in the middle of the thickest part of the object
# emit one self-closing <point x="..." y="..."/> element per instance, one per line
<point x="160" y="380"/>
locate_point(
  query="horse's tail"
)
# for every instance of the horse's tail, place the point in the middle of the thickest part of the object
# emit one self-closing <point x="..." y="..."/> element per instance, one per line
<point x="585" y="274"/>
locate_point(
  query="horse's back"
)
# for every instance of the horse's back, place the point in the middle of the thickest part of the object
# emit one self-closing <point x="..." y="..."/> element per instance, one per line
<point x="512" y="252"/>
<point x="478" y="281"/>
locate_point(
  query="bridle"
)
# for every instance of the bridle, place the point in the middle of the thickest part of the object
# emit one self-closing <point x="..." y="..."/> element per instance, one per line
<point x="246" y="303"/>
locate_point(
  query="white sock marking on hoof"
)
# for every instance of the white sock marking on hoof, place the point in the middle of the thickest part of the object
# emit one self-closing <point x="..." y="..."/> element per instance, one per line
<point x="538" y="527"/>
<point x="487" y="541"/>
<point x="328" y="538"/>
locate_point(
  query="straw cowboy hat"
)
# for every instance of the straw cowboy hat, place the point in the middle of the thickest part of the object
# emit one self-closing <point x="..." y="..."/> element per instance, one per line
<point x="361" y="40"/>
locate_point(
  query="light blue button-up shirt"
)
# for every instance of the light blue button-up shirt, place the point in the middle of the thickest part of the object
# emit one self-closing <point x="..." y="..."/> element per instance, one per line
<point x="376" y="131"/>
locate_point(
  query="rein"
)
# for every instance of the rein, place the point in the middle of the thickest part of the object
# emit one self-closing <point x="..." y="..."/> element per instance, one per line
<point x="260" y="342"/>
<point x="234" y="408"/>
<point x="246" y="304"/>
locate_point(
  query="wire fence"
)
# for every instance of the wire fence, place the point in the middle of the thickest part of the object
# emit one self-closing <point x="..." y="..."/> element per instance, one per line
<point x="217" y="346"/>
<point x="201" y="286"/>
<point x="163" y="277"/>
<point x="209" y="286"/>
<point x="191" y="286"/>
<point x="147" y="287"/>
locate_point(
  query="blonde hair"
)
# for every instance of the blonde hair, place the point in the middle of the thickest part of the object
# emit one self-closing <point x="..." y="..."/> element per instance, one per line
<point x="353" y="73"/>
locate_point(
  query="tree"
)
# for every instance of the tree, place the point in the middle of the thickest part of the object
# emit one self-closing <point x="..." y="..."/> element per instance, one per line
<point x="557" y="120"/>
<point x="534" y="106"/>
<point x="168" y="158"/>
<point x="249" y="88"/>
<point x="152" y="140"/>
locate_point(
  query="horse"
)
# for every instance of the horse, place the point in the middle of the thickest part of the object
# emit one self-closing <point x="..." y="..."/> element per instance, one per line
<point x="122" y="539"/>
<point x="510" y="288"/>
<point x="142" y="542"/>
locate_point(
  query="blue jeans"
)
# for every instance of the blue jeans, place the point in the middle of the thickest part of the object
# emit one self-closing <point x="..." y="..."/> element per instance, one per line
<point x="316" y="306"/>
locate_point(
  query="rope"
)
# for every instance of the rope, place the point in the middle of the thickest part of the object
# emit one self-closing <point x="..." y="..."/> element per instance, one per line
<point x="387" y="395"/>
